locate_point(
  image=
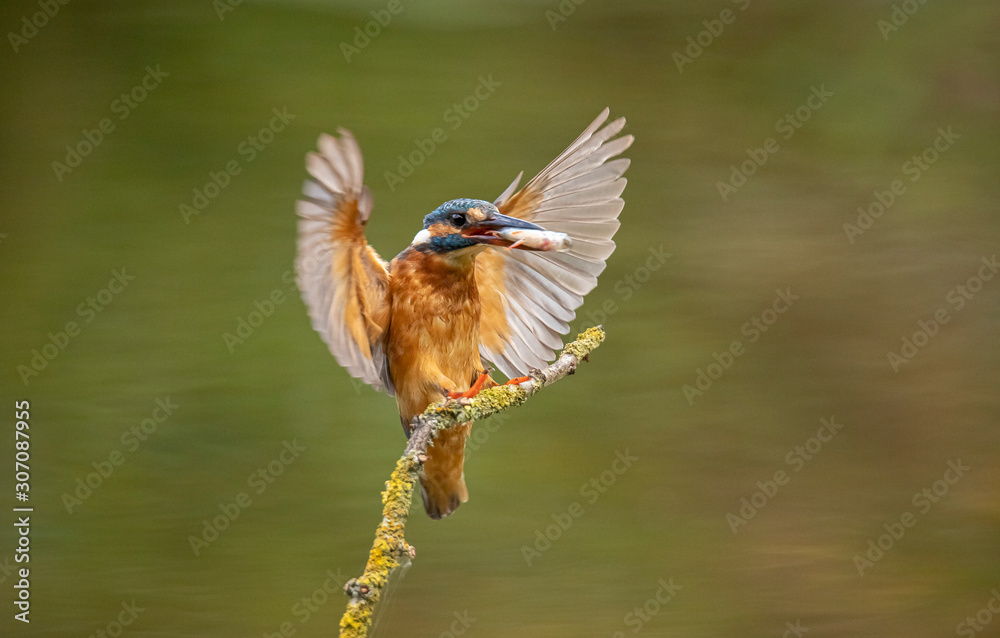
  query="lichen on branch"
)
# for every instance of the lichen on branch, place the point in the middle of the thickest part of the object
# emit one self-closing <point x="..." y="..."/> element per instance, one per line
<point x="390" y="549"/>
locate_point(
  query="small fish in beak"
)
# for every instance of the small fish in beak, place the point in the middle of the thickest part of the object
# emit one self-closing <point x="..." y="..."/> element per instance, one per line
<point x="511" y="232"/>
<point x="543" y="240"/>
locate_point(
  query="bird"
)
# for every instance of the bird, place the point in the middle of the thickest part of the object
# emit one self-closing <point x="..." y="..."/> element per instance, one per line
<point x="426" y="325"/>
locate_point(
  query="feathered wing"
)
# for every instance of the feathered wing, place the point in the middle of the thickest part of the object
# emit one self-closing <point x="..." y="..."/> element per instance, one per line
<point x="529" y="298"/>
<point x="344" y="282"/>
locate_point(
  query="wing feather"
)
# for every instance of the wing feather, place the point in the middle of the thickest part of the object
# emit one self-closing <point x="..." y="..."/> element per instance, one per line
<point x="352" y="157"/>
<point x="343" y="281"/>
<point x="563" y="300"/>
<point x="589" y="213"/>
<point x="578" y="193"/>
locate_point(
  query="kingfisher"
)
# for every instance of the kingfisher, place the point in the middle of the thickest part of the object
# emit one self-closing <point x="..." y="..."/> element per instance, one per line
<point x="466" y="292"/>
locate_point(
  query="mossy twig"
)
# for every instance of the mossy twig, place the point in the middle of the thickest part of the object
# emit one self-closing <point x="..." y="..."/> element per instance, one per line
<point x="390" y="549"/>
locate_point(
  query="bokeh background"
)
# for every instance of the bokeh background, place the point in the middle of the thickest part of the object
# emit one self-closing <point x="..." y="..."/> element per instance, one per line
<point x="665" y="517"/>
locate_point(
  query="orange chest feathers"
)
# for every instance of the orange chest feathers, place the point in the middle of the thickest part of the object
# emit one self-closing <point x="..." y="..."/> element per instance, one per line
<point x="433" y="338"/>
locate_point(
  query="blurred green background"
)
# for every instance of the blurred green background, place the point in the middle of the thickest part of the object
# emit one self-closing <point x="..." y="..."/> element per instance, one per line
<point x="665" y="517"/>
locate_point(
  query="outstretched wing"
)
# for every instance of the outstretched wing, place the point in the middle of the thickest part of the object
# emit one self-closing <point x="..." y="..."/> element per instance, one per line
<point x="529" y="298"/>
<point x="343" y="281"/>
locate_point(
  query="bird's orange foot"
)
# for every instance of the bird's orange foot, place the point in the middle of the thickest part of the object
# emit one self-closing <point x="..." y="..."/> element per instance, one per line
<point x="473" y="391"/>
<point x="518" y="380"/>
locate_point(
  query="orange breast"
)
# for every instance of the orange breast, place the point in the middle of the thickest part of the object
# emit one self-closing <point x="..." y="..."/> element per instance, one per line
<point x="433" y="339"/>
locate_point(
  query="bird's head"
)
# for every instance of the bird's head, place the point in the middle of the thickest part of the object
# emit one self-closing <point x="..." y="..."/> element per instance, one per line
<point x="466" y="226"/>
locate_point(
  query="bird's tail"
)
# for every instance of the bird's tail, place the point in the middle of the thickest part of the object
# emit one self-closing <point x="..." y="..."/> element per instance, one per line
<point x="442" y="483"/>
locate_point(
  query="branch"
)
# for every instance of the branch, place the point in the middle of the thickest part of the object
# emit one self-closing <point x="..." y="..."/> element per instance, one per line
<point x="390" y="549"/>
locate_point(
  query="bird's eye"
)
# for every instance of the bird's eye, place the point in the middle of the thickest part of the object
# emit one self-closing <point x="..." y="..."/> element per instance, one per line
<point x="458" y="220"/>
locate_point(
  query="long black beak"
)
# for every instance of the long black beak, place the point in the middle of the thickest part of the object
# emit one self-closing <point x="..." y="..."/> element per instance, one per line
<point x="486" y="231"/>
<point x="499" y="222"/>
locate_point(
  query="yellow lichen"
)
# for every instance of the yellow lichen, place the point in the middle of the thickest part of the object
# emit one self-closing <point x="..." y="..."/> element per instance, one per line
<point x="585" y="342"/>
<point x="390" y="548"/>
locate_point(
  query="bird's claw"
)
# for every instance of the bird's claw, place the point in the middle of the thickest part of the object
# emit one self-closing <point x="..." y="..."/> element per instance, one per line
<point x="473" y="391"/>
